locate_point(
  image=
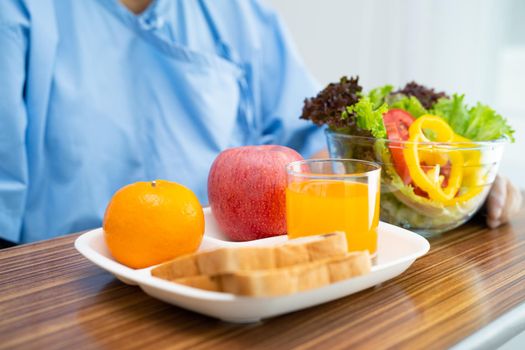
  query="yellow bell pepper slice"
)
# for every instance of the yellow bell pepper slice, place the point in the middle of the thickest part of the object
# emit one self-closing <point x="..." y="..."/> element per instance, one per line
<point x="471" y="193"/>
<point x="429" y="182"/>
<point x="471" y="171"/>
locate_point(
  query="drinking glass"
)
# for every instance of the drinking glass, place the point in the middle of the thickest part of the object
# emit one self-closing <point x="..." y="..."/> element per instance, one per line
<point x="327" y="195"/>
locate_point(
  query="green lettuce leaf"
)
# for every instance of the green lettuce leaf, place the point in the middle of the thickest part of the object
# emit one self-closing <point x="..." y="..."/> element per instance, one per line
<point x="454" y="111"/>
<point x="410" y="105"/>
<point x="369" y="117"/>
<point x="486" y="124"/>
<point x="479" y="123"/>
<point x="378" y="95"/>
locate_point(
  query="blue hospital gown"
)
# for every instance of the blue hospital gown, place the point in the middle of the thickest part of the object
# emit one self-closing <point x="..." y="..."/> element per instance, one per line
<point x="93" y="97"/>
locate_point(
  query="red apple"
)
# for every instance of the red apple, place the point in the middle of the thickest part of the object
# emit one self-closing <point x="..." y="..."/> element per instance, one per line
<point x="247" y="191"/>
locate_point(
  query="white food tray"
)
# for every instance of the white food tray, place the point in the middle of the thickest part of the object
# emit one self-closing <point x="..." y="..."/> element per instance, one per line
<point x="397" y="250"/>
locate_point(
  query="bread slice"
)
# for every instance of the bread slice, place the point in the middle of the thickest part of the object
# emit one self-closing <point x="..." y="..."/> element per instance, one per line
<point x="211" y="283"/>
<point x="259" y="283"/>
<point x="228" y="260"/>
<point x="285" y="280"/>
<point x="298" y="278"/>
<point x="232" y="260"/>
<point x="352" y="265"/>
<point x="181" y="267"/>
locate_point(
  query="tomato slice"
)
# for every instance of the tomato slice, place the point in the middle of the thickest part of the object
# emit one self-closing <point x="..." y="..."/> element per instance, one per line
<point x="397" y="122"/>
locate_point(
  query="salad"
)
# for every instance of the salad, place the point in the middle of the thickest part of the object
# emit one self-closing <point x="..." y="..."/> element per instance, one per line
<point x="439" y="155"/>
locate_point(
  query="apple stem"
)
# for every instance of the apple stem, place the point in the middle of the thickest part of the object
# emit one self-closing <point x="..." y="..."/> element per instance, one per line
<point x="153" y="183"/>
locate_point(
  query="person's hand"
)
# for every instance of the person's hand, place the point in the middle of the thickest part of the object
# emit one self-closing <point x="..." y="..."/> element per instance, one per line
<point x="503" y="202"/>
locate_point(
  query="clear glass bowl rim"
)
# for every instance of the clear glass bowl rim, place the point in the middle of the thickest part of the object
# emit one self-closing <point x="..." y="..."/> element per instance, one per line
<point x="472" y="145"/>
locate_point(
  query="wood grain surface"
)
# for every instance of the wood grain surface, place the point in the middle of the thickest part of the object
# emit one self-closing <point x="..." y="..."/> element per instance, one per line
<point x="51" y="297"/>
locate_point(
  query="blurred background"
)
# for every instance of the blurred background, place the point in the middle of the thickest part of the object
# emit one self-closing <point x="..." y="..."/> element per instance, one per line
<point x="475" y="47"/>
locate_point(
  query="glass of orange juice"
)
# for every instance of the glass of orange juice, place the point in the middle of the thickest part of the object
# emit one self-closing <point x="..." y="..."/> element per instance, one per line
<point x="327" y="195"/>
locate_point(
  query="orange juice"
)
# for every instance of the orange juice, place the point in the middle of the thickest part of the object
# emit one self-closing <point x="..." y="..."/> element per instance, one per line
<point x="321" y="206"/>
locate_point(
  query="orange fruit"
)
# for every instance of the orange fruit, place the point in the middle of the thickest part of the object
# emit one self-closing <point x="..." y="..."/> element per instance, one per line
<point x="147" y="223"/>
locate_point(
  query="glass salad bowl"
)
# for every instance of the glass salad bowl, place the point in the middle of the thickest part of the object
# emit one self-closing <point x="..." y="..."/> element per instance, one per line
<point x="446" y="188"/>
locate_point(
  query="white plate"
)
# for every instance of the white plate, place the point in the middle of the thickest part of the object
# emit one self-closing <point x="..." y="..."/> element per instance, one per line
<point x="397" y="250"/>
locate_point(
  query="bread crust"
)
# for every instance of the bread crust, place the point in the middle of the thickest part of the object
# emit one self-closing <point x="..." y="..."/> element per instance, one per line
<point x="295" y="266"/>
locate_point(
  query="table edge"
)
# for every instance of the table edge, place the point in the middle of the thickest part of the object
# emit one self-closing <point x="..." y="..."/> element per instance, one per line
<point x="497" y="332"/>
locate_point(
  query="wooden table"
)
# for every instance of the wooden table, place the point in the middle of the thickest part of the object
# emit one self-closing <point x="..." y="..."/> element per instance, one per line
<point x="51" y="297"/>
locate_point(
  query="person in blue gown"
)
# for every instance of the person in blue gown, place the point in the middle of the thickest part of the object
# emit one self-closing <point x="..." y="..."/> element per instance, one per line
<point x="98" y="94"/>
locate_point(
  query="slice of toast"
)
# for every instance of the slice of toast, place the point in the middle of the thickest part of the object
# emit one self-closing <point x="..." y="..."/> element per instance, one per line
<point x="285" y="280"/>
<point x="231" y="260"/>
<point x="211" y="283"/>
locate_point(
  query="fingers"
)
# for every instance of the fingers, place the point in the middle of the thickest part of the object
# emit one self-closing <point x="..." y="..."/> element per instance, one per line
<point x="504" y="202"/>
<point x="496" y="201"/>
<point x="512" y="204"/>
